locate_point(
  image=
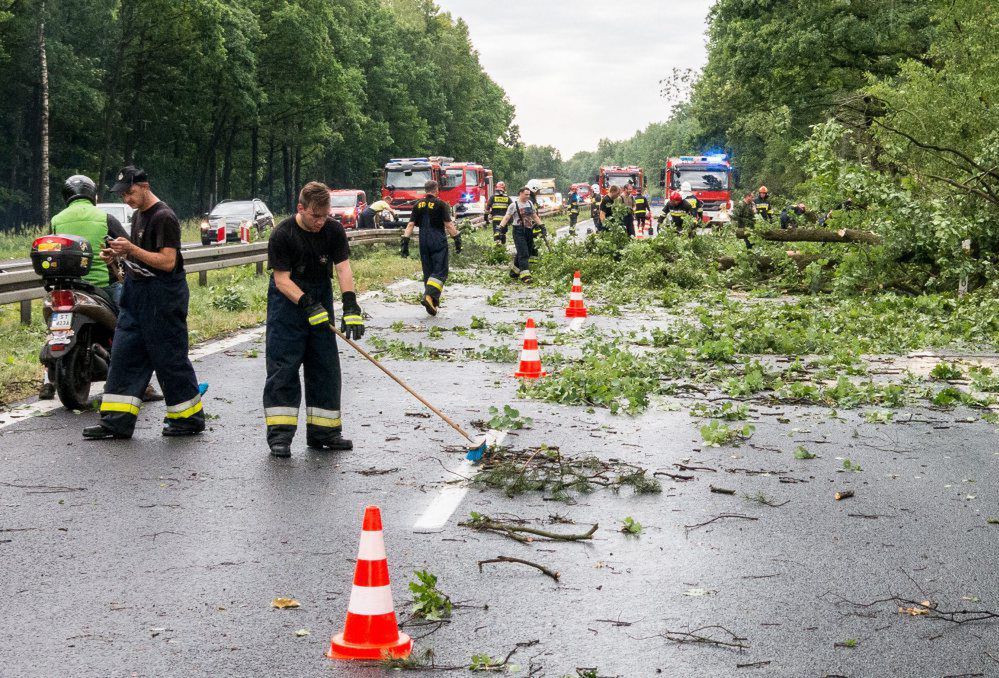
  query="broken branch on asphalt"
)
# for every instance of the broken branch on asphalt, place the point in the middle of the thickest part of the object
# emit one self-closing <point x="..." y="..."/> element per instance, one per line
<point x="515" y="531"/>
<point x="736" y="516"/>
<point x="510" y="559"/>
<point x="696" y="636"/>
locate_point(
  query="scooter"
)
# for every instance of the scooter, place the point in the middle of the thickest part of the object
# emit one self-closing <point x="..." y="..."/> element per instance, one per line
<point x="81" y="318"/>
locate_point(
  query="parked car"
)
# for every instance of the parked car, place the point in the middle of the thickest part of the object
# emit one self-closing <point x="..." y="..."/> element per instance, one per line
<point x="346" y="206"/>
<point x="232" y="214"/>
<point x="120" y="211"/>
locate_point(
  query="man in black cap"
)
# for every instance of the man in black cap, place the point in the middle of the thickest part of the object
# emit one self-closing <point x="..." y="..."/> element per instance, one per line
<point x="151" y="335"/>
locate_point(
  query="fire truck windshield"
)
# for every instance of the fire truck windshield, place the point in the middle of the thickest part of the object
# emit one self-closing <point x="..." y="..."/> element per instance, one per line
<point x="407" y="180"/>
<point x="621" y="180"/>
<point x="471" y="177"/>
<point x="701" y="179"/>
<point x="453" y="178"/>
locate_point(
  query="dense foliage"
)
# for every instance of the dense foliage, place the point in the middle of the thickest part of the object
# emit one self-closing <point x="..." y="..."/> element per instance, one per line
<point x="232" y="98"/>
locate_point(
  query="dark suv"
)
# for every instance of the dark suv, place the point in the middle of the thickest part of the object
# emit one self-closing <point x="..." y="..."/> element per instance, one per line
<point x="231" y="214"/>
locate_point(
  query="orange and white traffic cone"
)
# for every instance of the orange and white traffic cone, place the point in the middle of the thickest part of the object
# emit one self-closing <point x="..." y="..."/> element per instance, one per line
<point x="576" y="308"/>
<point x="371" y="630"/>
<point x="244" y="233"/>
<point x="530" y="357"/>
<point x="220" y="234"/>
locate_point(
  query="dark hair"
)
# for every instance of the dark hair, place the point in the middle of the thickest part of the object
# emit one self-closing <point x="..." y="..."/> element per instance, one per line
<point x="314" y="194"/>
<point x="431" y="186"/>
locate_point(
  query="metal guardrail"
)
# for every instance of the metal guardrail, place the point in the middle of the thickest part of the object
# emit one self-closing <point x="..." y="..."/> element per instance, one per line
<point x="20" y="284"/>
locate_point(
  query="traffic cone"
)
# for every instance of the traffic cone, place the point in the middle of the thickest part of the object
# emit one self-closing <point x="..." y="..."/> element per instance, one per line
<point x="244" y="233"/>
<point x="371" y="630"/>
<point x="220" y="234"/>
<point x="530" y="357"/>
<point x="576" y="308"/>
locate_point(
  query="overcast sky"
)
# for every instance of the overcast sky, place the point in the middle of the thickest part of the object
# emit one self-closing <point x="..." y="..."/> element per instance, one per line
<point x="547" y="54"/>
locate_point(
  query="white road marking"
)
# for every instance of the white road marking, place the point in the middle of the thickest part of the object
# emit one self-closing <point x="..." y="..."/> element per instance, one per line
<point x="42" y="407"/>
<point x="446" y="503"/>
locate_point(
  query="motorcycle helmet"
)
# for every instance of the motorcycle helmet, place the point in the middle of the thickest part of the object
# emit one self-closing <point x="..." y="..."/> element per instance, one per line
<point x="79" y="186"/>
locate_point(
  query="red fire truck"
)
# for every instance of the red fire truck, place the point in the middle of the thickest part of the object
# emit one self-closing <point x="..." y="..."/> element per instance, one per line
<point x="710" y="179"/>
<point x="620" y="176"/>
<point x="466" y="187"/>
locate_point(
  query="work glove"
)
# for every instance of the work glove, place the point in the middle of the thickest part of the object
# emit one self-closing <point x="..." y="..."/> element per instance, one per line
<point x="457" y="244"/>
<point x="404" y="250"/>
<point x="314" y="311"/>
<point x="352" y="322"/>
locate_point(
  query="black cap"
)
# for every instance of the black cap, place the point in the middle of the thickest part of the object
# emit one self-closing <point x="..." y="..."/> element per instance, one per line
<point x="130" y="174"/>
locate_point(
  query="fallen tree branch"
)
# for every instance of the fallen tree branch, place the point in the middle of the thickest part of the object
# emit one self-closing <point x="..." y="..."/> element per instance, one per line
<point x="510" y="559"/>
<point x="485" y="523"/>
<point x="739" y="516"/>
<point x="925" y="608"/>
<point x="843" y="235"/>
<point x="694" y="637"/>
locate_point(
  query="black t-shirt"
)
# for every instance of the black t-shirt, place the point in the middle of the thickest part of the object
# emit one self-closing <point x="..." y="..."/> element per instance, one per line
<point x="154" y="229"/>
<point x="607" y="205"/>
<point x="431" y="212"/>
<point x="309" y="257"/>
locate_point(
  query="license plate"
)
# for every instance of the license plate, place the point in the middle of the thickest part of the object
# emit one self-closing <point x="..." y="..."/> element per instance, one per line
<point x="61" y="321"/>
<point x="60" y="338"/>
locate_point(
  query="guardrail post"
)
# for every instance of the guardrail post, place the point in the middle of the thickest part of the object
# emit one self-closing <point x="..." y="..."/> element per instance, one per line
<point x="260" y="268"/>
<point x="202" y="278"/>
<point x="26" y="312"/>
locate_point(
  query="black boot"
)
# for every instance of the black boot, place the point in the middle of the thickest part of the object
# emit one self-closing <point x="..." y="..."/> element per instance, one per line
<point x="404" y="248"/>
<point x="101" y="432"/>
<point x="335" y="442"/>
<point x="280" y="449"/>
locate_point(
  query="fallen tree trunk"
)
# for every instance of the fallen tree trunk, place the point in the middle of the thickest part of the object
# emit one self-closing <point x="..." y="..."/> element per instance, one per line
<point x="765" y="264"/>
<point x="814" y="235"/>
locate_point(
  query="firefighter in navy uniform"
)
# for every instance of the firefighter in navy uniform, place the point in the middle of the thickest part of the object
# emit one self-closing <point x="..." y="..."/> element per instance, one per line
<point x="497" y="207"/>
<point x="642" y="213"/>
<point x="675" y="209"/>
<point x="151" y="335"/>
<point x="433" y="216"/>
<point x="303" y="252"/>
<point x="573" y="208"/>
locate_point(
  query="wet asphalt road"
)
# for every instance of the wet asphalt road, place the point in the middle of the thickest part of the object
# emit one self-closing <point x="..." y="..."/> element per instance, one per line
<point x="160" y="557"/>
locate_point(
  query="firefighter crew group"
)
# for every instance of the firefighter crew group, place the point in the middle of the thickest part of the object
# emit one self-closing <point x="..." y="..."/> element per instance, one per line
<point x="305" y="251"/>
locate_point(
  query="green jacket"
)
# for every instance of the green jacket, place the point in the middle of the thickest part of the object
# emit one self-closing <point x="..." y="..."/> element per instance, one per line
<point x="83" y="219"/>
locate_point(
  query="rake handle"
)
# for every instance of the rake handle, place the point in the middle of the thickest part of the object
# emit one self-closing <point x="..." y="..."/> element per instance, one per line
<point x="399" y="381"/>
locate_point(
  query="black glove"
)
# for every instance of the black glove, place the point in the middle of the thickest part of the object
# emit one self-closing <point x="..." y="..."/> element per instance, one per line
<point x="457" y="244"/>
<point x="404" y="250"/>
<point x="352" y="322"/>
<point x="314" y="311"/>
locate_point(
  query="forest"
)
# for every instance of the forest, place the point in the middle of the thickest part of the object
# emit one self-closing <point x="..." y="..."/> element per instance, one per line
<point x="236" y="98"/>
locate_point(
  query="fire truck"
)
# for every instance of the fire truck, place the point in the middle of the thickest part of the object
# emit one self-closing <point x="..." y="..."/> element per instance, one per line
<point x="710" y="179"/>
<point x="620" y="176"/>
<point x="403" y="181"/>
<point x="466" y="186"/>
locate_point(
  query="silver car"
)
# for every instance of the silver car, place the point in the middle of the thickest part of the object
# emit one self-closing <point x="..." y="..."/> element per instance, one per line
<point x="120" y="211"/>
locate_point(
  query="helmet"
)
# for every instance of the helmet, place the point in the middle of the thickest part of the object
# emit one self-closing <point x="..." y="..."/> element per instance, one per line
<point x="595" y="188"/>
<point x="79" y="186"/>
<point x="685" y="188"/>
<point x="534" y="185"/>
<point x="675" y="196"/>
<point x="763" y="189"/>
<point x="501" y="186"/>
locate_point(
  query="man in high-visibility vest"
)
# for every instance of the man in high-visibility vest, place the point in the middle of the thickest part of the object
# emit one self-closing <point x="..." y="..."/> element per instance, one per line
<point x="497" y="207"/>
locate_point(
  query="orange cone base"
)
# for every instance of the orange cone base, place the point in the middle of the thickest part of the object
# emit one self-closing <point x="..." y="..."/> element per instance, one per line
<point x="339" y="649"/>
<point x="575" y="312"/>
<point x="530" y="375"/>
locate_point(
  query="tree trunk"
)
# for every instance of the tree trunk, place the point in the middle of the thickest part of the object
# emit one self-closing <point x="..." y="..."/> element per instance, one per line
<point x="844" y="235"/>
<point x="43" y="170"/>
<point x="270" y="169"/>
<point x="298" y="169"/>
<point x="227" y="164"/>
<point x="254" y="161"/>
<point x="286" y="157"/>
<point x="765" y="263"/>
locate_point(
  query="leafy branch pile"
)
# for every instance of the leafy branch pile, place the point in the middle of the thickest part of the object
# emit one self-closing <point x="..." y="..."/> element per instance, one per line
<point x="545" y="469"/>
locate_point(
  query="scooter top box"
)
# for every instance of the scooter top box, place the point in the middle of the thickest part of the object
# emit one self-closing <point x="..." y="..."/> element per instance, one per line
<point x="61" y="256"/>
